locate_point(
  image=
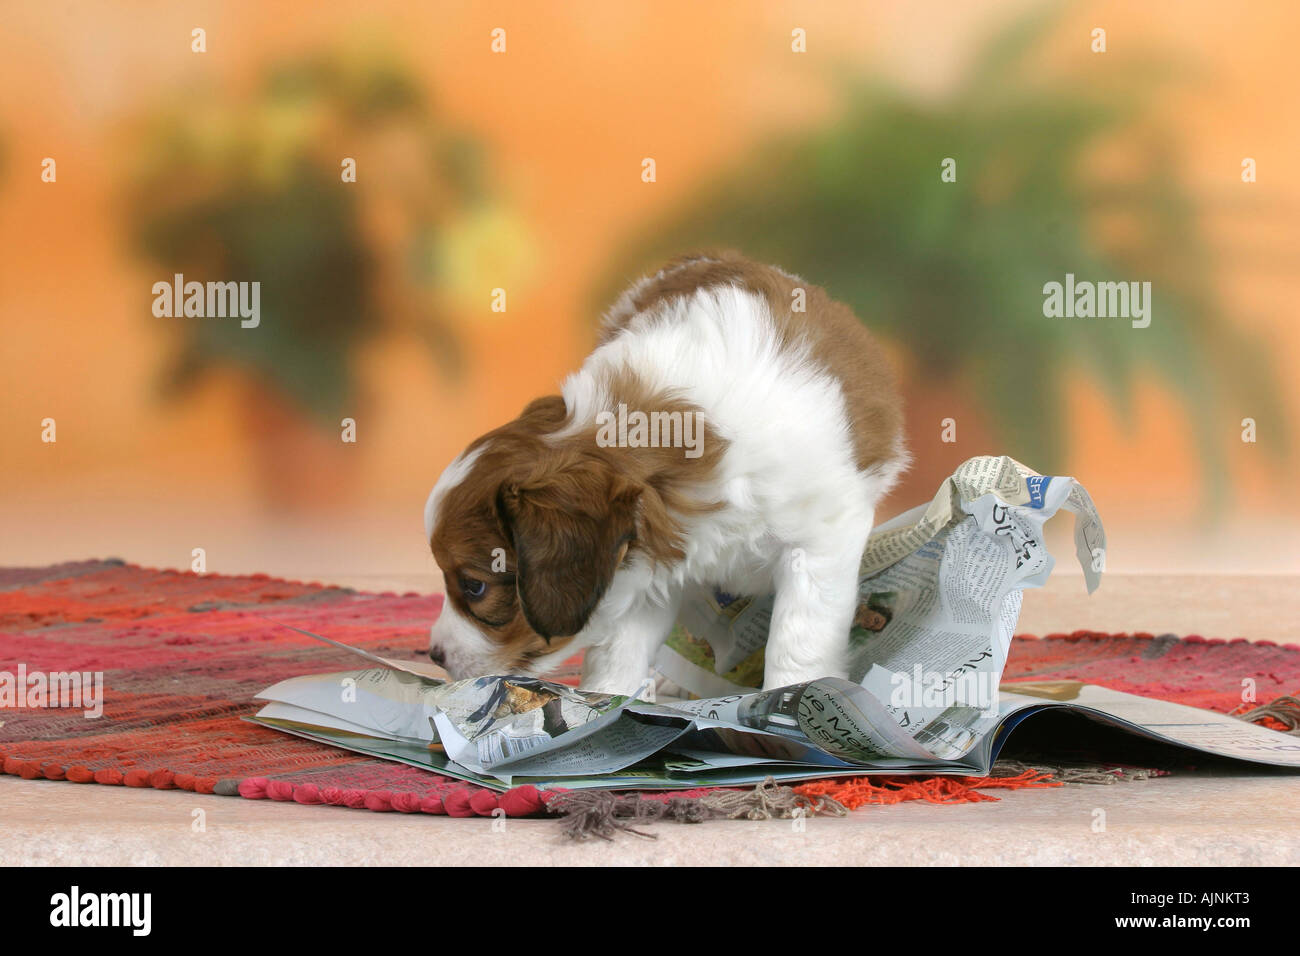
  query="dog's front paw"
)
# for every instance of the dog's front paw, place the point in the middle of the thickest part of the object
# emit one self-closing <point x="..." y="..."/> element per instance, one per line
<point x="642" y="690"/>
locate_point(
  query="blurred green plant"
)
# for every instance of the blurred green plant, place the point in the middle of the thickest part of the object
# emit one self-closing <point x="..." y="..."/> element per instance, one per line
<point x="249" y="189"/>
<point x="954" y="272"/>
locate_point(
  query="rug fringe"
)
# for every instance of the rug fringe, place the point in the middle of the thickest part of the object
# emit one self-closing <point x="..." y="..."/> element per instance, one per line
<point x="601" y="814"/>
<point x="157" y="779"/>
<point x="883" y="790"/>
<point x="465" y="801"/>
<point x="1102" y="774"/>
<point x="1281" y="714"/>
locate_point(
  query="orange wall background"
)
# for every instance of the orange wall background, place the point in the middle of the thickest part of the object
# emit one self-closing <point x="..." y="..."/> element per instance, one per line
<point x="585" y="91"/>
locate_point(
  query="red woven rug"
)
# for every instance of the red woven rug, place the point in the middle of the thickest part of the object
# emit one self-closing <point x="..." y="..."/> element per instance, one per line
<point x="183" y="656"/>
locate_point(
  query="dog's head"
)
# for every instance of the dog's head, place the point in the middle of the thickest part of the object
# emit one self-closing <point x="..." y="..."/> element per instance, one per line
<point x="528" y="529"/>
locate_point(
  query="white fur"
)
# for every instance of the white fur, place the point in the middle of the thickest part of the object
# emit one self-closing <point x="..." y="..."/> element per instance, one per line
<point x="452" y="475"/>
<point x="469" y="652"/>
<point x="796" y="510"/>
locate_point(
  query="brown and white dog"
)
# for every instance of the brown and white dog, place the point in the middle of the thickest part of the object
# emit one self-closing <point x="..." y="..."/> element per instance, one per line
<point x="735" y="427"/>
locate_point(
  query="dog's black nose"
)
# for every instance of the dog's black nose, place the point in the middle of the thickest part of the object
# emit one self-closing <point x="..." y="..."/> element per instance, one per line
<point x="438" y="656"/>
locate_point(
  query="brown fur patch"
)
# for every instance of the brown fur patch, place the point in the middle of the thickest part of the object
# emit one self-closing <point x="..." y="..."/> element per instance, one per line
<point x="837" y="340"/>
<point x="468" y="532"/>
<point x="565" y="511"/>
<point x="671" y="483"/>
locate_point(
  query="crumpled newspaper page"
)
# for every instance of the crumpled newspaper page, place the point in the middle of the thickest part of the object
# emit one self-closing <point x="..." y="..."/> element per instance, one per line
<point x="939" y="597"/>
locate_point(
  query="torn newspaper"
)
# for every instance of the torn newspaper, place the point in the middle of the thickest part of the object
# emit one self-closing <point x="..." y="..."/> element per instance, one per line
<point x="939" y="591"/>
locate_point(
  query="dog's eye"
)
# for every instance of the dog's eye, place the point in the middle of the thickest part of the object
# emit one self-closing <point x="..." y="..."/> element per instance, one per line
<point x="472" y="587"/>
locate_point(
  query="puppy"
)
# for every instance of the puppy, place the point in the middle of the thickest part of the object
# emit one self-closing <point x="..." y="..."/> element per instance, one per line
<point x="735" y="427"/>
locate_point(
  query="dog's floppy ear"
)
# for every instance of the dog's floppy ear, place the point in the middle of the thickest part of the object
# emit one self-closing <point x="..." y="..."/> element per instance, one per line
<point x="569" y="526"/>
